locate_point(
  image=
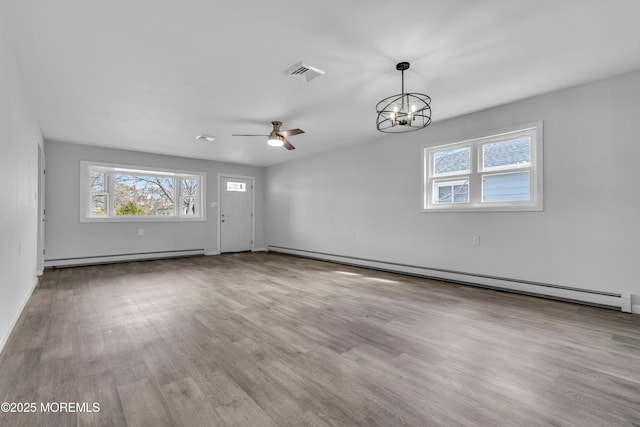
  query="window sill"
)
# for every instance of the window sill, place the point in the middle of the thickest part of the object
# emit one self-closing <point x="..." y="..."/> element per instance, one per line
<point x="442" y="209"/>
<point x="141" y="219"/>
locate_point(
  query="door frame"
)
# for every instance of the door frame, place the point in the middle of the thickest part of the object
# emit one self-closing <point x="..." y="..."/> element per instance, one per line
<point x="253" y="208"/>
<point x="40" y="200"/>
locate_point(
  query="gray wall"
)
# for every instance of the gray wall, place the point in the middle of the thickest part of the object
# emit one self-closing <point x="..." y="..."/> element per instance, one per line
<point x="364" y="200"/>
<point x="67" y="237"/>
<point x="19" y="139"/>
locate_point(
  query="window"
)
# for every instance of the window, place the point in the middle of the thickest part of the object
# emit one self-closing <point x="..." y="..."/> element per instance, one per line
<point x="502" y="172"/>
<point x="117" y="193"/>
<point x="237" y="186"/>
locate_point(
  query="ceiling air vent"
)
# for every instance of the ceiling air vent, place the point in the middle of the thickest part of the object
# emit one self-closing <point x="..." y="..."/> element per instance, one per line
<point x="303" y="72"/>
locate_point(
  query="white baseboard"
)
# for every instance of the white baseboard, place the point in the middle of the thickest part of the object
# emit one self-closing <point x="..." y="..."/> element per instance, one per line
<point x="545" y="290"/>
<point x="106" y="259"/>
<point x="7" y="334"/>
<point x="252" y="250"/>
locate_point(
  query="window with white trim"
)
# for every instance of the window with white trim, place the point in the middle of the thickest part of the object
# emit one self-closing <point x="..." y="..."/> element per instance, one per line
<point x="237" y="186"/>
<point x="500" y="172"/>
<point x="129" y="193"/>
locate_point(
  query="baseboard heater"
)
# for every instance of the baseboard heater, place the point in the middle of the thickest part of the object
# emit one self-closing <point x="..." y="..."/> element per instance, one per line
<point x="582" y="296"/>
<point x="107" y="259"/>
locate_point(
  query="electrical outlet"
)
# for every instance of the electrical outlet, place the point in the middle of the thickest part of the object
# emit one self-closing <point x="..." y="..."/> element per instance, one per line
<point x="140" y="231"/>
<point x="476" y="240"/>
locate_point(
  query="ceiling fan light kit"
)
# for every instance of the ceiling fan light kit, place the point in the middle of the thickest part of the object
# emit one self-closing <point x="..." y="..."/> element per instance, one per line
<point x="405" y="112"/>
<point x="275" y="141"/>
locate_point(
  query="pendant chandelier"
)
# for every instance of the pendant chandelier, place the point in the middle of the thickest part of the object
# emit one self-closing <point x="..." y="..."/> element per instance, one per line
<point x="405" y="112"/>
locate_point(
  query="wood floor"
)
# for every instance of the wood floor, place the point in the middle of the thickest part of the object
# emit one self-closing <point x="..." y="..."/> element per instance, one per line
<point x="260" y="339"/>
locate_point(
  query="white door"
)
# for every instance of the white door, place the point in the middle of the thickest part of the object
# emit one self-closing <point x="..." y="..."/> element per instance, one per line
<point x="236" y="216"/>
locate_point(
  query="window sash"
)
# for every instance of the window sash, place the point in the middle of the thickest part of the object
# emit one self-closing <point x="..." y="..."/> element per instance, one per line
<point x="454" y="150"/>
<point x="457" y="186"/>
<point x="139" y="173"/>
<point x="512" y="166"/>
<point x="105" y="211"/>
<point x="484" y="196"/>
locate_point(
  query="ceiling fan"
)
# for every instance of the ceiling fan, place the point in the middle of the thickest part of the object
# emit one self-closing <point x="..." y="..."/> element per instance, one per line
<point x="277" y="137"/>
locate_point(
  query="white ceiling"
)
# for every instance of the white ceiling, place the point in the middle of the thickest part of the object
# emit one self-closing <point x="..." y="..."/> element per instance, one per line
<point x="150" y="75"/>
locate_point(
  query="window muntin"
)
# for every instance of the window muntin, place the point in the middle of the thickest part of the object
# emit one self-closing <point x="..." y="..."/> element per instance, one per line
<point x="116" y="192"/>
<point x="498" y="172"/>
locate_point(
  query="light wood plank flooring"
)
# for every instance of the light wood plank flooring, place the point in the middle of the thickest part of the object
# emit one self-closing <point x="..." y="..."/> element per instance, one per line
<point x="260" y="339"/>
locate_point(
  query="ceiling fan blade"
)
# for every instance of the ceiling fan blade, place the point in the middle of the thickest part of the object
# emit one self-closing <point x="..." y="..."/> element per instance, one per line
<point x="247" y="135"/>
<point x="290" y="132"/>
<point x="287" y="144"/>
